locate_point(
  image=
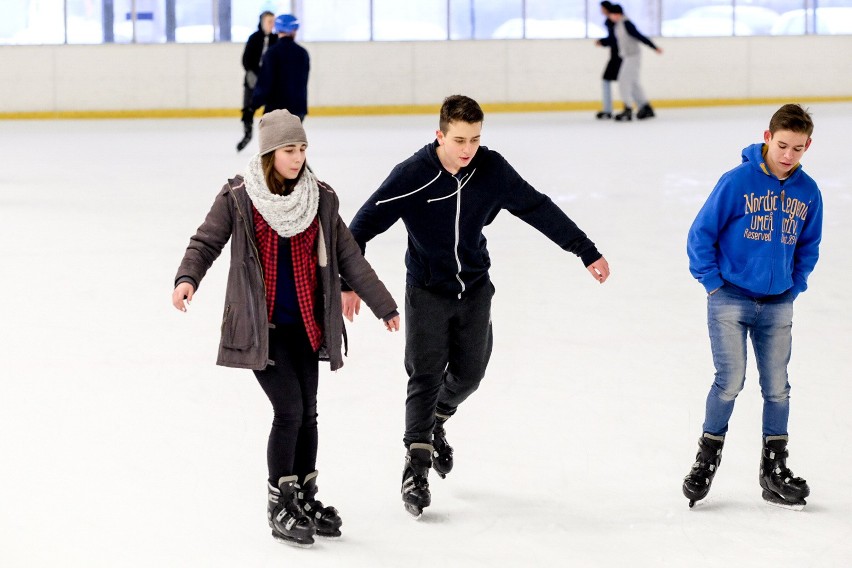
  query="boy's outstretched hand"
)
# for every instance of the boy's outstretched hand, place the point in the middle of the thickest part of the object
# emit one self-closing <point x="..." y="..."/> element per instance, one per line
<point x="351" y="304"/>
<point x="352" y="307"/>
<point x="599" y="270"/>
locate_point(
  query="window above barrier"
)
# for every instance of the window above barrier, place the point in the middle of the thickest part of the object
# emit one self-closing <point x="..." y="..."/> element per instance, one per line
<point x="33" y="22"/>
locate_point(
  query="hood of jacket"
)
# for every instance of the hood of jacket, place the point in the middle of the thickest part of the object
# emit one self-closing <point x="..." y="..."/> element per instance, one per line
<point x="755" y="155"/>
<point x="429" y="154"/>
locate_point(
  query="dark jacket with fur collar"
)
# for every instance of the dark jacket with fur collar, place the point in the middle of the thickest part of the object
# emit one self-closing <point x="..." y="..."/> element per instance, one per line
<point x="245" y="337"/>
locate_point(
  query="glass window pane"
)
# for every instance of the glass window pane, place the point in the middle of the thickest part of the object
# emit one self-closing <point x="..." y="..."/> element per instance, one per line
<point x="559" y="19"/>
<point x="830" y="17"/>
<point x="150" y="21"/>
<point x="85" y="21"/>
<point x="644" y="15"/>
<point x="498" y="19"/>
<point x="597" y="21"/>
<point x="27" y="22"/>
<point x="757" y="17"/>
<point x="722" y="18"/>
<point x="194" y="21"/>
<point x="410" y="20"/>
<point x="461" y="19"/>
<point x="334" y="20"/>
<point x="245" y="16"/>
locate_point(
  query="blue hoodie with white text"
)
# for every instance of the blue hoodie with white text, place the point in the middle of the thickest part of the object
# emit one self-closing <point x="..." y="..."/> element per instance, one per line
<point x="757" y="232"/>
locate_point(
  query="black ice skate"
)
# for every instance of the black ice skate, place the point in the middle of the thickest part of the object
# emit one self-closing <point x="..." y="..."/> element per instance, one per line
<point x="603" y="115"/>
<point x="645" y="112"/>
<point x="697" y="482"/>
<point x="289" y="524"/>
<point x="246" y="138"/>
<point x="326" y="520"/>
<point x="442" y="455"/>
<point x="415" y="482"/>
<point x="780" y="486"/>
<point x="625" y="116"/>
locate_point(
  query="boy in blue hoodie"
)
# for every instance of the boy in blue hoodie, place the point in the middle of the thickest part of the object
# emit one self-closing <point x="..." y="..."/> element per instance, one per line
<point x="446" y="193"/>
<point x="752" y="247"/>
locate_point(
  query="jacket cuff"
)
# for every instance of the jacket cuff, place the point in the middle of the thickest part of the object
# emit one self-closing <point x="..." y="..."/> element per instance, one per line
<point x="189" y="279"/>
<point x="344" y="287"/>
<point x="712" y="283"/>
<point x="590" y="256"/>
<point x="390" y="316"/>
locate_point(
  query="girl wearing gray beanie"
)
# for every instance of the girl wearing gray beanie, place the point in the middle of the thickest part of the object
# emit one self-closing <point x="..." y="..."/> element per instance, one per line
<point x="283" y="313"/>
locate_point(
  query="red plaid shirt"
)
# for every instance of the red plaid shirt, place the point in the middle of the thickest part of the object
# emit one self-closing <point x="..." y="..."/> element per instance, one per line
<point x="303" y="246"/>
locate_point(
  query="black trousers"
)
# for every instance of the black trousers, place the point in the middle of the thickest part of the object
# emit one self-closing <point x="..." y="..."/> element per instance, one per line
<point x="247" y="114"/>
<point x="448" y="344"/>
<point x="291" y="385"/>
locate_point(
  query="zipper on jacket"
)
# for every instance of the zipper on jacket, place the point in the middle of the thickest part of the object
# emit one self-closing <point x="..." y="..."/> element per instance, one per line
<point x="253" y="317"/>
<point x="461" y="183"/>
<point x="250" y="238"/>
<point x="225" y="319"/>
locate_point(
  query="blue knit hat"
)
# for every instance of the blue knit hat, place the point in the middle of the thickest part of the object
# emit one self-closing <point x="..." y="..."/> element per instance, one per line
<point x="286" y="24"/>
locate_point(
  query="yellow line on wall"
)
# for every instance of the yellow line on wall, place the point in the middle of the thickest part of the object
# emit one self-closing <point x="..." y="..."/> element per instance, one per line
<point x="400" y="109"/>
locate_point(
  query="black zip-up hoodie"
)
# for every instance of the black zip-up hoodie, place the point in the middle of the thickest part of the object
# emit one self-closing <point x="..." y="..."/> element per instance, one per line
<point x="254" y="49"/>
<point x="445" y="214"/>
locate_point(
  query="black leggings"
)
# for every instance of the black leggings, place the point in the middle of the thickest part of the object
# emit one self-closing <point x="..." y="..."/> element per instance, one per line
<point x="291" y="385"/>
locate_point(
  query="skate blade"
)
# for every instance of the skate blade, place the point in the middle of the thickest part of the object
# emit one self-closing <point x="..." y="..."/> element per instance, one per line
<point x="293" y="541"/>
<point x="335" y="534"/>
<point x="776" y="501"/>
<point x="414" y="511"/>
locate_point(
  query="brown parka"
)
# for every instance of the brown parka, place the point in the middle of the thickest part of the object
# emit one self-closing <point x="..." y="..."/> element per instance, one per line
<point x="245" y="338"/>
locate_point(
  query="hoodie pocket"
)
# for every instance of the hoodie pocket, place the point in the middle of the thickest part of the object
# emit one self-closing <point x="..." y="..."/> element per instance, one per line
<point x="236" y="327"/>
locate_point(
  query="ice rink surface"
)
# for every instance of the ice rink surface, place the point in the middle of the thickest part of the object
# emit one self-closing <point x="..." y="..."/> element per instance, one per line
<point x="122" y="444"/>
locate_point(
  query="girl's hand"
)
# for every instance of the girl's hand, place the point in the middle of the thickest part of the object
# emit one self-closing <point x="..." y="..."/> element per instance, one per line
<point x="392" y="324"/>
<point x="183" y="291"/>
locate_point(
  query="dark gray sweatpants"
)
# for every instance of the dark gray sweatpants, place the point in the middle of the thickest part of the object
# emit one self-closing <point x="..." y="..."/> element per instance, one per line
<point x="448" y="344"/>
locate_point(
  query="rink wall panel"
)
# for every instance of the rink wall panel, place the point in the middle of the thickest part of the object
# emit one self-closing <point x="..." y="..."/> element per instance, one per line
<point x="204" y="77"/>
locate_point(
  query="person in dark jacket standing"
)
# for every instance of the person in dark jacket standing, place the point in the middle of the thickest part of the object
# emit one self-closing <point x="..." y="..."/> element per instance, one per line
<point x="283" y="81"/>
<point x="289" y="248"/>
<point x="628" y="39"/>
<point x="610" y="73"/>
<point x="446" y="193"/>
<point x="255" y="49"/>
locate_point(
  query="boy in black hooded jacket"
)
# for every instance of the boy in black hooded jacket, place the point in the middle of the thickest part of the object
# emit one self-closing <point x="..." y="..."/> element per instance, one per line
<point x="446" y="193"/>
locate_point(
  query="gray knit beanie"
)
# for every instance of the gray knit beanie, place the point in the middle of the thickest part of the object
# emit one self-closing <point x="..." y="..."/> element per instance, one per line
<point x="279" y="128"/>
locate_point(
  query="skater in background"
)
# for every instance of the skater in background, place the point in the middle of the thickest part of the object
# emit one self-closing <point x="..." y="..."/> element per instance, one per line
<point x="445" y="194"/>
<point x="283" y="81"/>
<point x="610" y="73"/>
<point x="289" y="248"/>
<point x="256" y="47"/>
<point x="628" y="38"/>
<point x="752" y="247"/>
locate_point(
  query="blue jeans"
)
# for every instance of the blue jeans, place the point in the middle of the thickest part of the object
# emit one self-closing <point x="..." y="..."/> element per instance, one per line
<point x="769" y="321"/>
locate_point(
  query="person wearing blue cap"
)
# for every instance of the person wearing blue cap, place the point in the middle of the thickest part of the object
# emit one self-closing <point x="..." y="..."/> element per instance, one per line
<point x="283" y="81"/>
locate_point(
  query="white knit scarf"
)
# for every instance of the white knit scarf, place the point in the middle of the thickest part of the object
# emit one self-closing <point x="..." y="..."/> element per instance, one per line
<point x="288" y="215"/>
